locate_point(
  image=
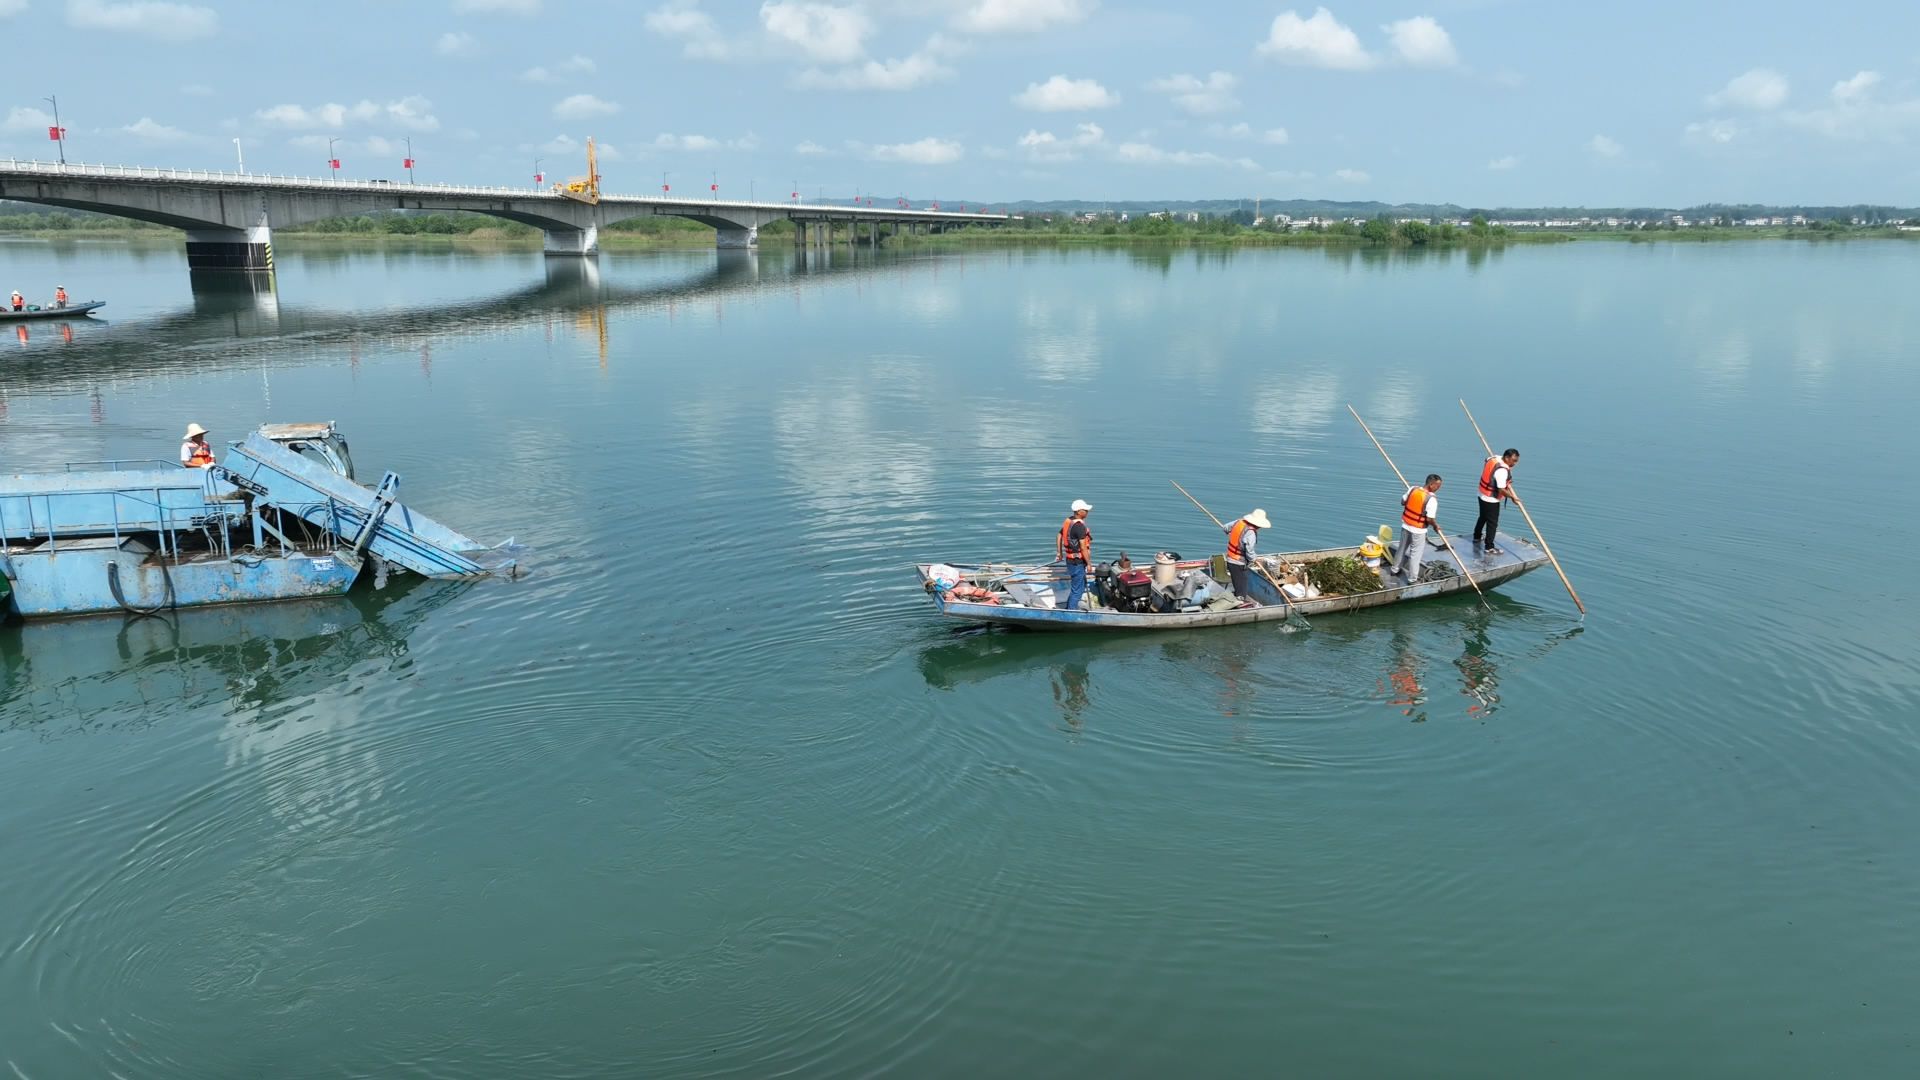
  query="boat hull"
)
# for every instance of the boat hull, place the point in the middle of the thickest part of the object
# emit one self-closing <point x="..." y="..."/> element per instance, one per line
<point x="1518" y="557"/>
<point x="69" y="312"/>
<point x="86" y="578"/>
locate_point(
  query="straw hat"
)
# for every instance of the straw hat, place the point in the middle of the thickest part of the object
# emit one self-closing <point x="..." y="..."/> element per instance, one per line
<point x="195" y="429"/>
<point x="1258" y="519"/>
<point x="1079" y="505"/>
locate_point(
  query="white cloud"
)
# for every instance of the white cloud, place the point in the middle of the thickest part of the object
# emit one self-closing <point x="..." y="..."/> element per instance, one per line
<point x="497" y="7"/>
<point x="149" y="18"/>
<point x="1141" y="153"/>
<point x="1061" y="94"/>
<point x="12" y="7"/>
<point x="680" y="19"/>
<point x="1761" y="88"/>
<point x="1605" y="147"/>
<point x="1422" y="42"/>
<point x="197" y="90"/>
<point x="153" y="131"/>
<point x="1351" y="176"/>
<point x="701" y="143"/>
<point x="927" y="151"/>
<point x="1247" y="133"/>
<point x="1007" y="16"/>
<point x="583" y="107"/>
<point x="1713" y="131"/>
<point x="578" y="65"/>
<point x="19" y="119"/>
<point x="457" y="43"/>
<point x="1849" y="91"/>
<point x="1317" y="41"/>
<point x="1046" y="146"/>
<point x="809" y="148"/>
<point x="536" y="74"/>
<point x="1201" y="97"/>
<point x="1501" y="164"/>
<point x="902" y="74"/>
<point x="412" y="112"/>
<point x="825" y="32"/>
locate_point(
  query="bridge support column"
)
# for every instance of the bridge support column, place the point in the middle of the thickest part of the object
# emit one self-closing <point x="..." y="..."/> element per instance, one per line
<point x="573" y="241"/>
<point x="800" y="235"/>
<point x="737" y="236"/>
<point x="248" y="249"/>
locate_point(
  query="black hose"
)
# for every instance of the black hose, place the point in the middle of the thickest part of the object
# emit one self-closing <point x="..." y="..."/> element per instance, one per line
<point x="113" y="583"/>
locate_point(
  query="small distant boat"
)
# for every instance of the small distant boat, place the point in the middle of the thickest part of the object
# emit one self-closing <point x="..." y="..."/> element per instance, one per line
<point x="1029" y="598"/>
<point x="7" y="314"/>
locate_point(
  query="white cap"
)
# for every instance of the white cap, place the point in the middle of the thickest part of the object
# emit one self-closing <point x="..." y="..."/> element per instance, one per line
<point x="1079" y="505"/>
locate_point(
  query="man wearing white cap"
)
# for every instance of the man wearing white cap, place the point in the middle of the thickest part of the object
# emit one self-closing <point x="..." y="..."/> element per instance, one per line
<point x="1240" y="537"/>
<point x="194" y="452"/>
<point x="1075" y="546"/>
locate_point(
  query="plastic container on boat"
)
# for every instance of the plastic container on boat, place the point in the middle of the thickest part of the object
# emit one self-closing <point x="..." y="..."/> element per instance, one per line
<point x="1165" y="572"/>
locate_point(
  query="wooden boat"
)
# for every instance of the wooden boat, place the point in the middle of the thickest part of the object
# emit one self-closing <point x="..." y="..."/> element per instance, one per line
<point x="1025" y="599"/>
<point x="7" y="314"/>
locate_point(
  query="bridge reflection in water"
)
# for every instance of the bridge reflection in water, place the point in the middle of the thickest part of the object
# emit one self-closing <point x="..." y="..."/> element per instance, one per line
<point x="236" y="321"/>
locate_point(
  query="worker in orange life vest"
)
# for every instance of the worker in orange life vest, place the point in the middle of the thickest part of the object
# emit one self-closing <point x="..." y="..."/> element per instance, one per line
<point x="1074" y="545"/>
<point x="194" y="452"/>
<point x="1496" y="486"/>
<point x="59" y="296"/>
<point x="19" y="302"/>
<point x="1240" y="554"/>
<point x="1419" y="509"/>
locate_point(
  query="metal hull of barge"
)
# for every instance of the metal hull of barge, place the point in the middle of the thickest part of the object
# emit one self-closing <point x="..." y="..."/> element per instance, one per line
<point x="1518" y="557"/>
<point x="96" y="576"/>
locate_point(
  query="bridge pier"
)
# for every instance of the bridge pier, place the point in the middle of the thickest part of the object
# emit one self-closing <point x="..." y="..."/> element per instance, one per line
<point x="249" y="249"/>
<point x="565" y="242"/>
<point x="737" y="236"/>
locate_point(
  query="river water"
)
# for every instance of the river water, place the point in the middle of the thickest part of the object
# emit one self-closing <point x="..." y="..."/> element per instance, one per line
<point x="712" y="791"/>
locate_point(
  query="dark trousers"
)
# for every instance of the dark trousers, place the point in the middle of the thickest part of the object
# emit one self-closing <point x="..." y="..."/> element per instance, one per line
<point x="1238" y="576"/>
<point x="1489" y="520"/>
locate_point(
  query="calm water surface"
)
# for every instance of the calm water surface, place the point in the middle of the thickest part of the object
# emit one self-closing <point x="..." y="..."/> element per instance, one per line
<point x="713" y="792"/>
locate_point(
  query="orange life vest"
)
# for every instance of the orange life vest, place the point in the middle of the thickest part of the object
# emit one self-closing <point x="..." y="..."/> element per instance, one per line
<point x="1413" y="512"/>
<point x="1487" y="490"/>
<point x="1236" y="542"/>
<point x="60" y="296"/>
<point x="202" y="456"/>
<point x="1067" y="549"/>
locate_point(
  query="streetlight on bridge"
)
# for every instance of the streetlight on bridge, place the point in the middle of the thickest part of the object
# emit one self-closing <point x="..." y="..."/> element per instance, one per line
<point x="538" y="176"/>
<point x="238" y="156"/>
<point x="408" y="163"/>
<point x="333" y="162"/>
<point x="56" y="132"/>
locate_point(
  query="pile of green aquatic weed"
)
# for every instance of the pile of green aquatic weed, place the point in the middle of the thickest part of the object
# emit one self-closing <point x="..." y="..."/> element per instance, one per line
<point x="1436" y="571"/>
<point x="1342" y="574"/>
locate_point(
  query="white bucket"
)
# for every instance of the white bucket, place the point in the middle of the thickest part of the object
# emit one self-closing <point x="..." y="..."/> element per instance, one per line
<point x="1165" y="572"/>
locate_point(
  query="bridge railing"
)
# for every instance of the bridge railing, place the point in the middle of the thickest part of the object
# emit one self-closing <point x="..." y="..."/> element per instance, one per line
<point x="83" y="170"/>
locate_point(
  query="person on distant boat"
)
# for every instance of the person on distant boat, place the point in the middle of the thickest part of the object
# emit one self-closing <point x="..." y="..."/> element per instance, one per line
<point x="1240" y="554"/>
<point x="19" y="302"/>
<point x="59" y="296"/>
<point x="1418" y="512"/>
<point x="1074" y="546"/>
<point x="1496" y="486"/>
<point x="194" y="452"/>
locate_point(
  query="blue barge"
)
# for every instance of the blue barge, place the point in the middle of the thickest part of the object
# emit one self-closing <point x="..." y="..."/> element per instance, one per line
<point x="281" y="518"/>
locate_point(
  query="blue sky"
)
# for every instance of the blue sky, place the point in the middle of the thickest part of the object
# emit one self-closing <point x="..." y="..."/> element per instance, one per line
<point x="1478" y="102"/>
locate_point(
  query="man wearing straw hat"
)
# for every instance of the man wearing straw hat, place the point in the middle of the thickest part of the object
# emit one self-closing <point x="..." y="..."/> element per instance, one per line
<point x="1240" y="554"/>
<point x="194" y="452"/>
<point x="1074" y="546"/>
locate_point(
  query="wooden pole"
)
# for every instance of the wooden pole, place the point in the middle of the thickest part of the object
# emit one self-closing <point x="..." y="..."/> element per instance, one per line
<point x="1524" y="514"/>
<point x="1436" y="529"/>
<point x="1293" y="616"/>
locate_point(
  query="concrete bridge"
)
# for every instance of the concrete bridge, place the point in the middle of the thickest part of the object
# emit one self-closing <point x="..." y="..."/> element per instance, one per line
<point x="229" y="217"/>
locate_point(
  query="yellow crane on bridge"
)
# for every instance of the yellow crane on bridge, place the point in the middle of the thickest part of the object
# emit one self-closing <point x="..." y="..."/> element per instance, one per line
<point x="586" y="188"/>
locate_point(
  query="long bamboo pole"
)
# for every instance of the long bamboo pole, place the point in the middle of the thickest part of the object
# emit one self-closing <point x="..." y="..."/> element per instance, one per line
<point x="1524" y="514"/>
<point x="1462" y="563"/>
<point x="1293" y="615"/>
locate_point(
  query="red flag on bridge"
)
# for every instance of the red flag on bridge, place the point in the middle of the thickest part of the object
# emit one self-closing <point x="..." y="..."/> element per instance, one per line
<point x="539" y="178"/>
<point x="334" y="162"/>
<point x="406" y="163"/>
<point x="713" y="187"/>
<point x="54" y="134"/>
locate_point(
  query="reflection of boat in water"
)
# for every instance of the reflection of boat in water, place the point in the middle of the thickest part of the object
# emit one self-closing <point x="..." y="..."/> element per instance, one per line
<point x="68" y="312"/>
<point x="973" y="656"/>
<point x="78" y="672"/>
<point x="282" y="518"/>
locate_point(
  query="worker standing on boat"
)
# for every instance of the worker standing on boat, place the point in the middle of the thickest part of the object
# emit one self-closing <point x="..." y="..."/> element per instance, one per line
<point x="19" y="302"/>
<point x="1418" y="511"/>
<point x="1074" y="546"/>
<point x="1240" y="554"/>
<point x="1496" y="486"/>
<point x="194" y="452"/>
<point x="59" y="296"/>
